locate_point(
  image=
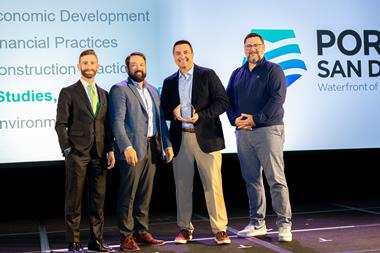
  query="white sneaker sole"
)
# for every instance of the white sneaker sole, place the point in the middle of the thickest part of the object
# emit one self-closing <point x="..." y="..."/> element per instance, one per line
<point x="244" y="235"/>
<point x="285" y="238"/>
<point x="222" y="242"/>
<point x="182" y="241"/>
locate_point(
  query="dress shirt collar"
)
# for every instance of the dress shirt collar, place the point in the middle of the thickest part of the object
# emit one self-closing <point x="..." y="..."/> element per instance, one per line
<point x="188" y="74"/>
<point x="86" y="84"/>
<point x="136" y="84"/>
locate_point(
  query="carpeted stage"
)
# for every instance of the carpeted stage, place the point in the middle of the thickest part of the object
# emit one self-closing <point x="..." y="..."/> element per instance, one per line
<point x="323" y="227"/>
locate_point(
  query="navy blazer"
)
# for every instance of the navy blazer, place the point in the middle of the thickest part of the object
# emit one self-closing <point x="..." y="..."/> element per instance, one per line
<point x="209" y="99"/>
<point x="129" y="118"/>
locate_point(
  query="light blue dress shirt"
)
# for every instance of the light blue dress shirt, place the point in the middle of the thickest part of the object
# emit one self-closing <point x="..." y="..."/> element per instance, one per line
<point x="149" y="107"/>
<point x="185" y="85"/>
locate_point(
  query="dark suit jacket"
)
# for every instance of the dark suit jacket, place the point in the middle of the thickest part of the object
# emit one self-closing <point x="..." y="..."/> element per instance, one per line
<point x="77" y="126"/>
<point x="209" y="99"/>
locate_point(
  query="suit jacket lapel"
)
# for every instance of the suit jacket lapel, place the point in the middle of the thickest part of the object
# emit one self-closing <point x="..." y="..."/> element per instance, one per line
<point x="177" y="99"/>
<point x="83" y="94"/>
<point x="135" y="91"/>
<point x="100" y="95"/>
<point x="154" y="98"/>
<point x="101" y="99"/>
<point x="194" y="87"/>
<point x="156" y="102"/>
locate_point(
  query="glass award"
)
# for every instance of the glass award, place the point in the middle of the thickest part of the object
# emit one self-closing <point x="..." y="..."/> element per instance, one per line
<point x="187" y="111"/>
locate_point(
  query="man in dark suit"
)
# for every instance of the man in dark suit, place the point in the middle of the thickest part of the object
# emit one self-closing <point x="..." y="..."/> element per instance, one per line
<point x="192" y="99"/>
<point x="87" y="144"/>
<point x="141" y="134"/>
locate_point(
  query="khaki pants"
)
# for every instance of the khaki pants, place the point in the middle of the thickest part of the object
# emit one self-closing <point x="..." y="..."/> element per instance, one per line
<point x="209" y="167"/>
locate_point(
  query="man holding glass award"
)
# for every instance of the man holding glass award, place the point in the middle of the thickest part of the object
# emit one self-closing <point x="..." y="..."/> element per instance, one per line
<point x="192" y="99"/>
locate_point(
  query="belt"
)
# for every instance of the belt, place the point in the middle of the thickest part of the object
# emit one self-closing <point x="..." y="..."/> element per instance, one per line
<point x="188" y="130"/>
<point x="150" y="139"/>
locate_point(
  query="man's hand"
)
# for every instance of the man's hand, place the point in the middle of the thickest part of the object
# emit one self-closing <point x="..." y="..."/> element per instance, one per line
<point x="193" y="119"/>
<point x="130" y="156"/>
<point x="245" y="121"/>
<point x="110" y="160"/>
<point x="177" y="113"/>
<point x="169" y="154"/>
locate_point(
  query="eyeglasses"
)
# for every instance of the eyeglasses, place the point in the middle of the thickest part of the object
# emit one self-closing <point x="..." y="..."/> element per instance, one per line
<point x="254" y="46"/>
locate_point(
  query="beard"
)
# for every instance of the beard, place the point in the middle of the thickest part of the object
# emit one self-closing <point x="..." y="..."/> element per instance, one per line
<point x="253" y="59"/>
<point x="138" y="76"/>
<point x="88" y="73"/>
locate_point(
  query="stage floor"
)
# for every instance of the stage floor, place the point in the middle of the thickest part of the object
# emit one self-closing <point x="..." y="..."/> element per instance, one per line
<point x="329" y="227"/>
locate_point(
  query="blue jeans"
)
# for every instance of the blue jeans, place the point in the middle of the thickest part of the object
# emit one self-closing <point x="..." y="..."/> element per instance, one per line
<point x="262" y="150"/>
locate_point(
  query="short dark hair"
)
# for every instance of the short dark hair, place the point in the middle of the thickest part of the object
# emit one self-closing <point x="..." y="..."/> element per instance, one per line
<point x="88" y="52"/>
<point x="127" y="60"/>
<point x="251" y="35"/>
<point x="181" y="42"/>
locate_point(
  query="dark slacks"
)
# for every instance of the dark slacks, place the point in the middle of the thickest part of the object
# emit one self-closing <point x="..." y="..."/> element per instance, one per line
<point x="80" y="168"/>
<point x="135" y="191"/>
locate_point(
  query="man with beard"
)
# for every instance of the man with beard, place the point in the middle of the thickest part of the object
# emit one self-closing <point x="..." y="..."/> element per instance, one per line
<point x="141" y="135"/>
<point x="257" y="93"/>
<point x="87" y="144"/>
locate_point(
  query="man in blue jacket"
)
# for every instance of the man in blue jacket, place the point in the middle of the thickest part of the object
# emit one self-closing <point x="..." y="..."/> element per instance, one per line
<point x="257" y="93"/>
<point x="141" y="135"/>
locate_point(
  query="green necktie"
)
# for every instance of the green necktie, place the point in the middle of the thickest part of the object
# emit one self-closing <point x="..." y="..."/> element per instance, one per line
<point x="94" y="99"/>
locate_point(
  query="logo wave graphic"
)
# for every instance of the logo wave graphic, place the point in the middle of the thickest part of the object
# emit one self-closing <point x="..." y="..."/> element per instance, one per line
<point x="281" y="48"/>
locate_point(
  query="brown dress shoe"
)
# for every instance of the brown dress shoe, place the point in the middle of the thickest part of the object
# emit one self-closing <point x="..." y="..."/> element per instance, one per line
<point x="222" y="238"/>
<point x="129" y="244"/>
<point x="183" y="237"/>
<point x="147" y="239"/>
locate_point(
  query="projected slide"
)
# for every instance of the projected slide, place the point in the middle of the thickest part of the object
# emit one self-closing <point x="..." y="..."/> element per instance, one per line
<point x="329" y="50"/>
